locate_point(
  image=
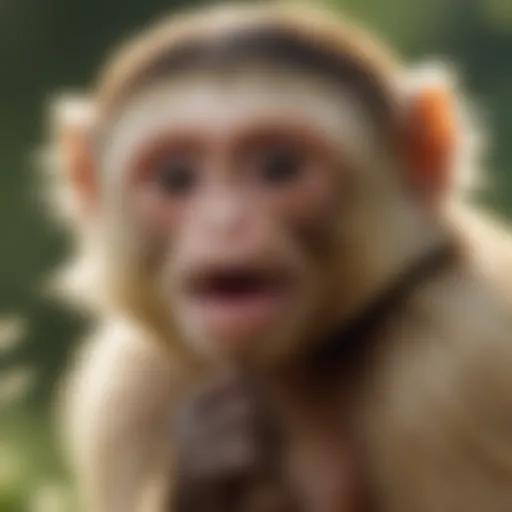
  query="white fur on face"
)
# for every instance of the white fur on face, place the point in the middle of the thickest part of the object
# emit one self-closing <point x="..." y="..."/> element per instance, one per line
<point x="218" y="105"/>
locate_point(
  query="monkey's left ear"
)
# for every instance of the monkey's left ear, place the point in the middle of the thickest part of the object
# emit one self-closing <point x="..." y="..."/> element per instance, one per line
<point x="430" y="132"/>
<point x="74" y="120"/>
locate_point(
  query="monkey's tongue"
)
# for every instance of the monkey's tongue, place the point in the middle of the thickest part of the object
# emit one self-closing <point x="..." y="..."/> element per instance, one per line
<point x="240" y="304"/>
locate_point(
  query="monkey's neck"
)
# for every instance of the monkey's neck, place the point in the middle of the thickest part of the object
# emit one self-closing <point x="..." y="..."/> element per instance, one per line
<point x="350" y="340"/>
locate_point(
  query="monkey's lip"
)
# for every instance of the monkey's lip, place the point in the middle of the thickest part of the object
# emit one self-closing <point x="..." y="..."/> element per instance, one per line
<point x="241" y="301"/>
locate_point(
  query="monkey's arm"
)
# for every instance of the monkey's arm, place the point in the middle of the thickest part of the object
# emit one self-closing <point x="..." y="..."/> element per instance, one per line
<point x="117" y="424"/>
<point x="120" y="421"/>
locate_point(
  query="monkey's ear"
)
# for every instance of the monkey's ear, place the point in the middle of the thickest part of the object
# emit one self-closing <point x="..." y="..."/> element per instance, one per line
<point x="74" y="120"/>
<point x="430" y="132"/>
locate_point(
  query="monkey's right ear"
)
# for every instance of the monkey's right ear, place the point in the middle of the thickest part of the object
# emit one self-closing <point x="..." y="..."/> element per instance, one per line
<point x="74" y="121"/>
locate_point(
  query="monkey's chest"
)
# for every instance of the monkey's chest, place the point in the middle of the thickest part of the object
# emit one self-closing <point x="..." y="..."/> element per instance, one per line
<point x="321" y="471"/>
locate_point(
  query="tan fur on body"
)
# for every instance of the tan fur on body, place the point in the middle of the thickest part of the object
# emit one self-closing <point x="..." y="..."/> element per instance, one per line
<point x="437" y="404"/>
<point x="430" y="412"/>
<point x="433" y="414"/>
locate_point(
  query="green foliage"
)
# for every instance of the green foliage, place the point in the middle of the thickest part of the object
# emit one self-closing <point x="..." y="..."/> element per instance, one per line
<point x="32" y="478"/>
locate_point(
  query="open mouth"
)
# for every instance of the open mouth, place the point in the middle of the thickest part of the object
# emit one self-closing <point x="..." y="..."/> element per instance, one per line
<point x="239" y="300"/>
<point x="238" y="284"/>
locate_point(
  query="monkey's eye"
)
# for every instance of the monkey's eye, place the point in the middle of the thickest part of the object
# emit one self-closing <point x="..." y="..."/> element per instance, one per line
<point x="177" y="176"/>
<point x="279" y="165"/>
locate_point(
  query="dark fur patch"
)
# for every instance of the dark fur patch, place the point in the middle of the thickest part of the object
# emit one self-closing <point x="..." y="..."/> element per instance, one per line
<point x="349" y="345"/>
<point x="274" y="45"/>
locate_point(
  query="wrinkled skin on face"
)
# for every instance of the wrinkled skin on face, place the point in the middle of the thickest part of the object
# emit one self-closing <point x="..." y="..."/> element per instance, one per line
<point x="234" y="187"/>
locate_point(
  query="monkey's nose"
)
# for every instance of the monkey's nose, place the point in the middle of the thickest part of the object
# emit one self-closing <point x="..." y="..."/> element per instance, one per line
<point x="228" y="215"/>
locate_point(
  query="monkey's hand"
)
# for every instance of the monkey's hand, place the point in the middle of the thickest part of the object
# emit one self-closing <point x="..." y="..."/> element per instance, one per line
<point x="229" y="454"/>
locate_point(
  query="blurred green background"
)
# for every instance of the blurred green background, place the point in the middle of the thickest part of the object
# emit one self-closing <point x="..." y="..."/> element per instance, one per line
<point x="50" y="45"/>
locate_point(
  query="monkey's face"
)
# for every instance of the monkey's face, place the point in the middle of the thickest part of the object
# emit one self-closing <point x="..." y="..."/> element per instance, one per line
<point x="257" y="187"/>
<point x="230" y="190"/>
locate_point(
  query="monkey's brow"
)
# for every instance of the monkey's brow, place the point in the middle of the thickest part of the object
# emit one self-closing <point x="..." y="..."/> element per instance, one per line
<point x="270" y="44"/>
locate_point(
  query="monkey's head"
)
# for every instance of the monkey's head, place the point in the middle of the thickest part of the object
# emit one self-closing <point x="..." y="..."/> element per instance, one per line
<point x="252" y="175"/>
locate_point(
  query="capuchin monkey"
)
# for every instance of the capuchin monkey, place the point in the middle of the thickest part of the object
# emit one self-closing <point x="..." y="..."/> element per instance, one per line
<point x="298" y="309"/>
